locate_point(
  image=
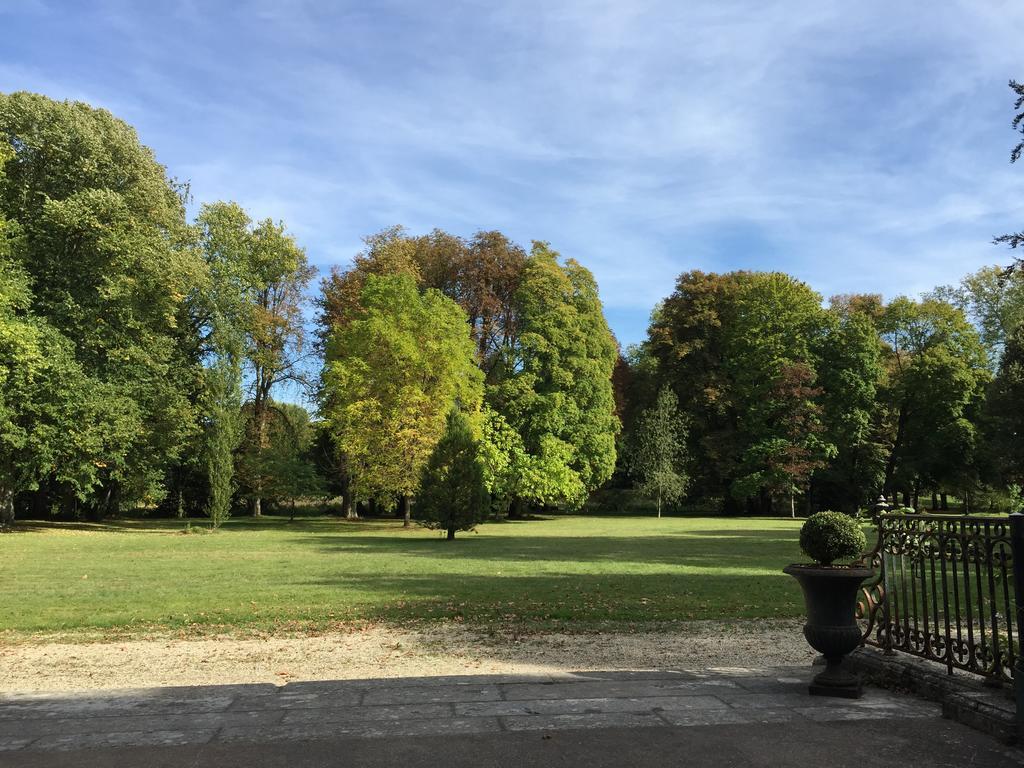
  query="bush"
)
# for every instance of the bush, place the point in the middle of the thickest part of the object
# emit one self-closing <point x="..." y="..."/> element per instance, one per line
<point x="830" y="536"/>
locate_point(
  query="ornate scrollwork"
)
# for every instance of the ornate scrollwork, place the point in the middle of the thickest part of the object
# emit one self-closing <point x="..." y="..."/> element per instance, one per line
<point x="943" y="590"/>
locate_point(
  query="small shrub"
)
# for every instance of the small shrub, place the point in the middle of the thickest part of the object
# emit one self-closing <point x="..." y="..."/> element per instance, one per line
<point x="830" y="536"/>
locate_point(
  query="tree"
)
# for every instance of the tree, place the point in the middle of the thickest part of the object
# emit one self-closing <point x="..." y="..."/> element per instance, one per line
<point x="261" y="275"/>
<point x="1005" y="412"/>
<point x="658" y="450"/>
<point x="685" y="349"/>
<point x="223" y="434"/>
<point x="105" y="251"/>
<point x="390" y="377"/>
<point x="452" y="495"/>
<point x="849" y="363"/>
<point x="1015" y="239"/>
<point x="554" y="386"/>
<point x="936" y="373"/>
<point x="291" y="476"/>
<point x="769" y="359"/>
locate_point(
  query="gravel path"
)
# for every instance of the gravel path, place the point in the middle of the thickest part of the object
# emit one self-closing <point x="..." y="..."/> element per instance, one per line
<point x="383" y="652"/>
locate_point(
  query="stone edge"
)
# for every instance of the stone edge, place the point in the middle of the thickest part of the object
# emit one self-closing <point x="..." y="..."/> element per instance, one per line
<point x="964" y="700"/>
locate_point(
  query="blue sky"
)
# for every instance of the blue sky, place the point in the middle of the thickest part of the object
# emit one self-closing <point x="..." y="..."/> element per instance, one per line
<point x="859" y="146"/>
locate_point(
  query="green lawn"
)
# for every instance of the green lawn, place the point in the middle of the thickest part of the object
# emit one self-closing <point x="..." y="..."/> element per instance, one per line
<point x="576" y="572"/>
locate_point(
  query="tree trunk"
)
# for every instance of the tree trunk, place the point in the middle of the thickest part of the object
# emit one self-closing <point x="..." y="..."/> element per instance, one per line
<point x="292" y="518"/>
<point x="659" y="505"/>
<point x="515" y="510"/>
<point x="935" y="501"/>
<point x="945" y="500"/>
<point x="792" y="506"/>
<point x="6" y="507"/>
<point x="407" y="511"/>
<point x="451" y="535"/>
<point x="906" y="498"/>
<point x="257" y="507"/>
<point x="890" y="464"/>
<point x="347" y="507"/>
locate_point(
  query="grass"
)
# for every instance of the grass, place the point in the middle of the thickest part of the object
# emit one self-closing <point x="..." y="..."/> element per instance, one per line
<point x="268" y="575"/>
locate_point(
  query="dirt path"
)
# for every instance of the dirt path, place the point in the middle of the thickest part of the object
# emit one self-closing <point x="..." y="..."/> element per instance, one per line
<point x="388" y="652"/>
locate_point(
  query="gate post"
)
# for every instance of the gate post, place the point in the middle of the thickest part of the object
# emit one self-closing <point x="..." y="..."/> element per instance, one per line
<point x="1017" y="547"/>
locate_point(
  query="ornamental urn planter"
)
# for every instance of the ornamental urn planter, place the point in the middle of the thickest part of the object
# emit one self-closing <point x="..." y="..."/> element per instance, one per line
<point x="830" y="594"/>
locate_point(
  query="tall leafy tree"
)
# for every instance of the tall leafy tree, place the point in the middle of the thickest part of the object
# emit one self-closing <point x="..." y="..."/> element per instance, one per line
<point x="686" y="345"/>
<point x="658" y="450"/>
<point x="554" y="387"/>
<point x="391" y="375"/>
<point x="1005" y="412"/>
<point x="261" y="275"/>
<point x="108" y="256"/>
<point x="769" y="359"/>
<point x="850" y="373"/>
<point x="936" y="374"/>
<point x="993" y="299"/>
<point x="453" y="494"/>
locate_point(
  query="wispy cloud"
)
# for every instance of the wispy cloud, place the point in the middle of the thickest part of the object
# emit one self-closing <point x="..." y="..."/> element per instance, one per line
<point x="860" y="146"/>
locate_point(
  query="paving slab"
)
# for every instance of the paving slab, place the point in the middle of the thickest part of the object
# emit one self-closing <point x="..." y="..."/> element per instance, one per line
<point x="212" y="719"/>
<point x="910" y="742"/>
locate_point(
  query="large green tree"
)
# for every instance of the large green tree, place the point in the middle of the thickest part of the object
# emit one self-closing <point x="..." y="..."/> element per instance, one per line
<point x="391" y="376"/>
<point x="554" y="385"/>
<point x="1005" y="413"/>
<point x="937" y="371"/>
<point x="108" y="257"/>
<point x="850" y="372"/>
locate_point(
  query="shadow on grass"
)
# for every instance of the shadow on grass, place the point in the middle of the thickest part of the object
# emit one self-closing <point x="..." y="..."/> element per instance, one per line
<point x="708" y="549"/>
<point x="571" y="600"/>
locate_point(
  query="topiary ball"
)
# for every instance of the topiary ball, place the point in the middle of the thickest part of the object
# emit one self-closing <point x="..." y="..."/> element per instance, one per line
<point x="830" y="536"/>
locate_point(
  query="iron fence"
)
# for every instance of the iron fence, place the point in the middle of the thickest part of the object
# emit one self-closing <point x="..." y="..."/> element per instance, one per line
<point x="944" y="589"/>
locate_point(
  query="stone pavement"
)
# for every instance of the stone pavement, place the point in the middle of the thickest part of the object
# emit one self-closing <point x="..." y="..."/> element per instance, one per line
<point x="159" y="726"/>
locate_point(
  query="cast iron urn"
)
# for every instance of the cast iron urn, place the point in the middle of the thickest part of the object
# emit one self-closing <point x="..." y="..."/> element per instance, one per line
<point x="830" y="594"/>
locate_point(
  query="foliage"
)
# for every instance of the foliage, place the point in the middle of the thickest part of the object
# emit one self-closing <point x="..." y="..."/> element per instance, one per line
<point x="936" y="375"/>
<point x="554" y="387"/>
<point x="826" y="537"/>
<point x="391" y="376"/>
<point x="658" y="450"/>
<point x="223" y="432"/>
<point x="1005" y="413"/>
<point x="453" y="496"/>
<point x="993" y="298"/>
<point x="850" y="373"/>
<point x="1016" y="239"/>
<point x="104" y="254"/>
<point x="259" y="278"/>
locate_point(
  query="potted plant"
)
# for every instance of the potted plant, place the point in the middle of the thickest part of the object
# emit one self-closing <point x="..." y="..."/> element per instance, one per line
<point x="830" y="593"/>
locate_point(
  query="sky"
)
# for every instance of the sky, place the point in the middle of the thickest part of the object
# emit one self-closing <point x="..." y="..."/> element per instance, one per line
<point x="860" y="146"/>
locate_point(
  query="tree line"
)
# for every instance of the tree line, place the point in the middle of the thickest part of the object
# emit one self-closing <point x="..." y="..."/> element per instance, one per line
<point x="143" y="356"/>
<point x="142" y="352"/>
<point x="781" y="402"/>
